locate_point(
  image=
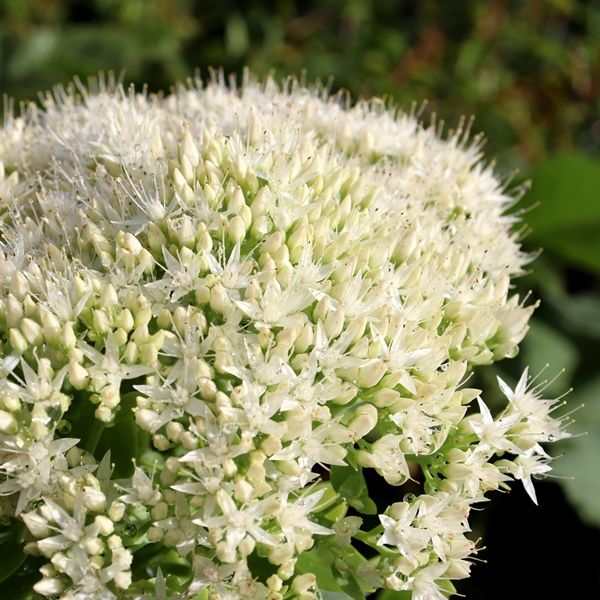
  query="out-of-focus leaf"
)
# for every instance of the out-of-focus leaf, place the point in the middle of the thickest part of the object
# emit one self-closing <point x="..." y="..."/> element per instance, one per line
<point x="579" y="313"/>
<point x="236" y="35"/>
<point x="579" y="465"/>
<point x="567" y="221"/>
<point x="567" y="188"/>
<point x="545" y="345"/>
<point x="581" y="462"/>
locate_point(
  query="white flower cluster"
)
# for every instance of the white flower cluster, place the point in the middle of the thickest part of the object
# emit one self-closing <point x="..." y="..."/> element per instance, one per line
<point x="261" y="286"/>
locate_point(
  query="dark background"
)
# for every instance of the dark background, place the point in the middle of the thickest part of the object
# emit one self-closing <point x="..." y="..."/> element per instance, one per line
<point x="528" y="71"/>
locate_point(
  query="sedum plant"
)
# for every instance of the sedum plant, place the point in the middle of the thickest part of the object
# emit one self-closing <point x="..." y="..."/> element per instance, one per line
<point x="221" y="309"/>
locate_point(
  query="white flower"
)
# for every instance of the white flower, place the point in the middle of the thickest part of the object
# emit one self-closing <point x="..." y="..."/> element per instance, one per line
<point x="285" y="285"/>
<point x="293" y="516"/>
<point x="492" y="432"/>
<point x="237" y="522"/>
<point x="400" y="531"/>
<point x="142" y="492"/>
<point x="31" y="471"/>
<point x="524" y="467"/>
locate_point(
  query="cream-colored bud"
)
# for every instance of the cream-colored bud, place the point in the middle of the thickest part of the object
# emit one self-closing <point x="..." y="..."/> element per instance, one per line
<point x="282" y="555"/>
<point x="148" y="354"/>
<point x="236" y="229"/>
<point x="8" y="423"/>
<point x="160" y="511"/>
<point x="116" y="511"/>
<point x="371" y="374"/>
<point x="17" y="341"/>
<point x="261" y="226"/>
<point x="207" y="388"/>
<point x="104" y="524"/>
<point x="219" y="300"/>
<point x="130" y="354"/>
<point x="31" y="331"/>
<point x="386" y="397"/>
<point x="271" y="445"/>
<point x="156" y="239"/>
<point x="93" y="545"/>
<point x="226" y="553"/>
<point x="110" y="397"/>
<point x="50" y="326"/>
<point x="334" y="323"/>
<point x="188" y="440"/>
<point x="143" y="316"/>
<point x="19" y="286"/>
<point x="94" y="499"/>
<point x="160" y="442"/>
<point x="122" y="580"/>
<point x="364" y="419"/>
<point x="68" y="339"/>
<point x="104" y="414"/>
<point x="78" y="375"/>
<point x="229" y="468"/>
<point x="188" y="148"/>
<point x="125" y="320"/>
<point x="120" y="337"/>
<point x="14" y="311"/>
<point x="155" y="534"/>
<point x="49" y="586"/>
<point x="37" y="525"/>
<point x="101" y="321"/>
<point x="243" y="491"/>
<point x="246" y="546"/>
<point x="115" y="542"/>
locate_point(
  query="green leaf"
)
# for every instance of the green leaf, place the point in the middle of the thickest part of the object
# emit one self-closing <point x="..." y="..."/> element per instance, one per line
<point x="351" y="485"/>
<point x="579" y="464"/>
<point x="319" y="561"/>
<point x="19" y="586"/>
<point x="392" y="595"/>
<point x="11" y="551"/>
<point x="567" y="220"/>
<point x="579" y="314"/>
<point x="124" y="439"/>
<point x="337" y="512"/>
<point x="544" y="345"/>
<point x="335" y="570"/>
<point x="335" y="595"/>
<point x="349" y="584"/>
<point x="329" y="497"/>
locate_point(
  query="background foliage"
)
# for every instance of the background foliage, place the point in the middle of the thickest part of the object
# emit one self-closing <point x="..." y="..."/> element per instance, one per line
<point x="529" y="71"/>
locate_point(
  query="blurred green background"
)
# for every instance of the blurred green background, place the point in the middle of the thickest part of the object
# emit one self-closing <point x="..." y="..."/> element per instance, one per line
<point x="529" y="71"/>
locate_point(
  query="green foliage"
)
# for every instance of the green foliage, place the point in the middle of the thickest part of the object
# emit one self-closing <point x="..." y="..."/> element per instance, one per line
<point x="567" y="188"/>
<point x="351" y="485"/>
<point x="123" y="439"/>
<point x="526" y="69"/>
<point x="546" y="347"/>
<point x="11" y="552"/>
<point x="337" y="570"/>
<point x="579" y="464"/>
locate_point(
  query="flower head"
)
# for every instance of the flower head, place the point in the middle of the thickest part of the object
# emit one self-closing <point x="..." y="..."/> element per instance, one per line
<point x="244" y="292"/>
